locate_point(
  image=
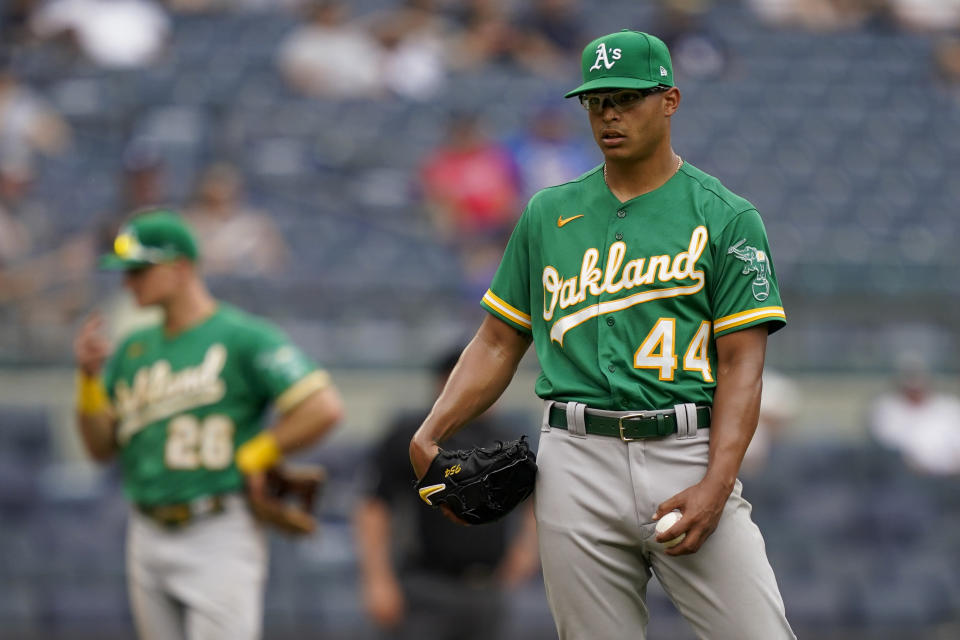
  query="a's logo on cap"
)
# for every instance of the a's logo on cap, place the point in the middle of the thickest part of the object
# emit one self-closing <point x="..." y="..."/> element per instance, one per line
<point x="125" y="244"/>
<point x="603" y="57"/>
<point x="663" y="71"/>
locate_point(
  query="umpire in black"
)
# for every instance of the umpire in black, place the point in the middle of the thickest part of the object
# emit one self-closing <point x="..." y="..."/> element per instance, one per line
<point x="422" y="575"/>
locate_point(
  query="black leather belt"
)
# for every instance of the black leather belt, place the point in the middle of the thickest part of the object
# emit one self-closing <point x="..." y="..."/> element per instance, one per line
<point x="630" y="425"/>
<point x="181" y="513"/>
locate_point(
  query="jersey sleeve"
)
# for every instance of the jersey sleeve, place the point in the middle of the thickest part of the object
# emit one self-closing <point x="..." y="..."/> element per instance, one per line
<point x="745" y="291"/>
<point x="508" y="297"/>
<point x="282" y="369"/>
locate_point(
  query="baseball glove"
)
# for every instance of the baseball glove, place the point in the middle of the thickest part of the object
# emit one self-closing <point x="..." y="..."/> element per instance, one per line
<point x="480" y="485"/>
<point x="285" y="499"/>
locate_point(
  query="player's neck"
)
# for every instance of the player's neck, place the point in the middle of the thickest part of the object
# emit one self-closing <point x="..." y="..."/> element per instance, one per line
<point x="189" y="308"/>
<point x="629" y="179"/>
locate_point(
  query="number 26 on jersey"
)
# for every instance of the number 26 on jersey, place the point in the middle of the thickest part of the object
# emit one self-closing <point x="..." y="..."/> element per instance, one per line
<point x="193" y="443"/>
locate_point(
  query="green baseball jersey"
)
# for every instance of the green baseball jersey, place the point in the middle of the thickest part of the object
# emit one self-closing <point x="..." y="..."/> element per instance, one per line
<point x="625" y="300"/>
<point x="184" y="403"/>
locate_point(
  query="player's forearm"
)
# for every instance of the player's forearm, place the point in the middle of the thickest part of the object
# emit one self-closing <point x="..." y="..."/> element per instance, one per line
<point x="95" y="420"/>
<point x="736" y="405"/>
<point x="302" y="425"/>
<point x="97" y="433"/>
<point x="483" y="372"/>
<point x="372" y="526"/>
<point x="310" y="420"/>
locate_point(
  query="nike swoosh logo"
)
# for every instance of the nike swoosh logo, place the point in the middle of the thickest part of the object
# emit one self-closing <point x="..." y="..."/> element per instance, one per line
<point x="426" y="492"/>
<point x="562" y="221"/>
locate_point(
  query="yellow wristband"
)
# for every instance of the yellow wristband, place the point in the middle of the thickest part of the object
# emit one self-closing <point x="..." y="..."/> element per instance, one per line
<point x="91" y="395"/>
<point x="258" y="454"/>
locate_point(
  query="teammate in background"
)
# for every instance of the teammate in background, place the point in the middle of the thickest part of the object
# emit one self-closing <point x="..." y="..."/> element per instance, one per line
<point x="180" y="404"/>
<point x="237" y="238"/>
<point x="450" y="581"/>
<point x="648" y="292"/>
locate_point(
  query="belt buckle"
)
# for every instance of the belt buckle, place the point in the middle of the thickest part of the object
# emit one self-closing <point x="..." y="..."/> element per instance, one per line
<point x="639" y="414"/>
<point x="172" y="516"/>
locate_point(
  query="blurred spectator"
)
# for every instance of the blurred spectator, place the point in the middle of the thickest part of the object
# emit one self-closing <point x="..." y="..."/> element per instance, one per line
<point x="779" y="405"/>
<point x="143" y="178"/>
<point x="696" y="51"/>
<point x="111" y="33"/>
<point x="472" y="192"/>
<point x="547" y="152"/>
<point x="46" y="278"/>
<point x="414" y="38"/>
<point x="921" y="424"/>
<point x="485" y="34"/>
<point x="422" y="575"/>
<point x="16" y="240"/>
<point x="15" y="20"/>
<point x="469" y="181"/>
<point x="550" y="34"/>
<point x="817" y="15"/>
<point x="926" y="15"/>
<point x="236" y="239"/>
<point x="330" y="57"/>
<point x="213" y="6"/>
<point x="24" y="225"/>
<point x="947" y="58"/>
<point x="142" y="185"/>
<point x="27" y="121"/>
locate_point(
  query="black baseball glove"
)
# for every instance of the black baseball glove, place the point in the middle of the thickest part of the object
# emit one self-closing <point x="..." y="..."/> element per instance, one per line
<point x="480" y="485"/>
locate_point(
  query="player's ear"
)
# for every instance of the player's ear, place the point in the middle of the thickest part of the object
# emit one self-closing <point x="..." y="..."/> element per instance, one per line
<point x="185" y="268"/>
<point x="671" y="101"/>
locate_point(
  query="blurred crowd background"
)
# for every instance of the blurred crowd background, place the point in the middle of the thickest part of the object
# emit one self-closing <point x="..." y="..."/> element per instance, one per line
<point x="353" y="170"/>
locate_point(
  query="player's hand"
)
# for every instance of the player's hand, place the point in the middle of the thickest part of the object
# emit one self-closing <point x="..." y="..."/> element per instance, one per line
<point x="256" y="485"/>
<point x="701" y="505"/>
<point x="384" y="601"/>
<point x="90" y="347"/>
<point x="422" y="454"/>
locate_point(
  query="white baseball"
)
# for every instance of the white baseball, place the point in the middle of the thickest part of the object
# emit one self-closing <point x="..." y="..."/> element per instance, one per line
<point x="667" y="521"/>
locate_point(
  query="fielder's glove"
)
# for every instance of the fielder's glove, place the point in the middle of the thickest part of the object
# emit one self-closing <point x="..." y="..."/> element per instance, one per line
<point x="285" y="500"/>
<point x="480" y="485"/>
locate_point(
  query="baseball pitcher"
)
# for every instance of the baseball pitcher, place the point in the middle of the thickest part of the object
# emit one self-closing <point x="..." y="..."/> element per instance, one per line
<point x="180" y="405"/>
<point x="648" y="291"/>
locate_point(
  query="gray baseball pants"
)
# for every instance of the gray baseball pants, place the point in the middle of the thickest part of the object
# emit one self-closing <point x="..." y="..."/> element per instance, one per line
<point x="594" y="502"/>
<point x="204" y="581"/>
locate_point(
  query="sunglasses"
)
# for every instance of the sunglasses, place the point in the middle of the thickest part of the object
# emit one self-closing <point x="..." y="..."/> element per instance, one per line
<point x="140" y="270"/>
<point x="620" y="100"/>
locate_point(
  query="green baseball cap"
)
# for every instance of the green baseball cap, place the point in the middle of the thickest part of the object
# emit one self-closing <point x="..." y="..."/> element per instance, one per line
<point x="625" y="60"/>
<point x="150" y="238"/>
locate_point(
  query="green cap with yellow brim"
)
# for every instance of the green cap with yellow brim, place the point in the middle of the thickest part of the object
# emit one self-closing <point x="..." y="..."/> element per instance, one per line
<point x="625" y="60"/>
<point x="153" y="237"/>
